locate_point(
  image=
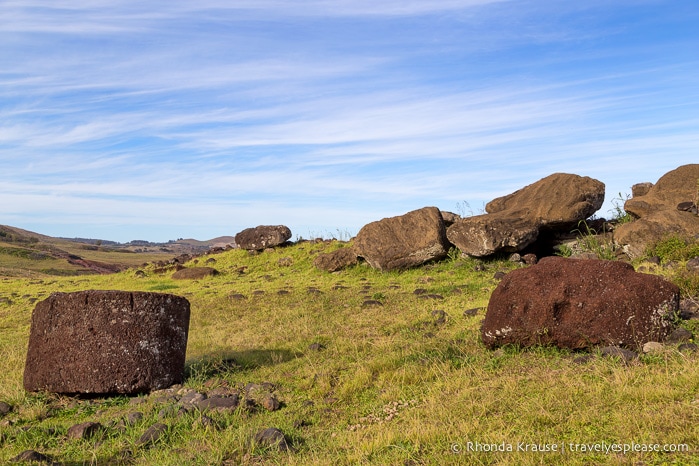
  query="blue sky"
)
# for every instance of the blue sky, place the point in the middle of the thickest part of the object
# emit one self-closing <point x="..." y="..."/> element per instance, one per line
<point x="158" y="119"/>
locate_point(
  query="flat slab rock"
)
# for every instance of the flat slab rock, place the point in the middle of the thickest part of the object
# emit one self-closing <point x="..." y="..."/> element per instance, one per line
<point x="578" y="304"/>
<point x="107" y="342"/>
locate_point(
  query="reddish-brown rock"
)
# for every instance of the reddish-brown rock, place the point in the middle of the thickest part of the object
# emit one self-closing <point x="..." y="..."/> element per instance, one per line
<point x="405" y="241"/>
<point x="107" y="342"/>
<point x="579" y="303"/>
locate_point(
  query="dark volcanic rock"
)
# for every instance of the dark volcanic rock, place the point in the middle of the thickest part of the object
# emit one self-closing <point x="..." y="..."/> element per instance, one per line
<point x="5" y="408"/>
<point x="84" y="430"/>
<point x="577" y="303"/>
<point x="405" y="241"/>
<point x="152" y="435"/>
<point x="31" y="456"/>
<point x="336" y="260"/>
<point x="271" y="438"/>
<point x="194" y="273"/>
<point x="107" y="342"/>
<point x="262" y="237"/>
<point x="219" y="403"/>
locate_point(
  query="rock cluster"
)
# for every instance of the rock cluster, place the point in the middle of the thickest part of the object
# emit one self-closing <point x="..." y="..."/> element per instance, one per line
<point x="513" y="222"/>
<point x="666" y="208"/>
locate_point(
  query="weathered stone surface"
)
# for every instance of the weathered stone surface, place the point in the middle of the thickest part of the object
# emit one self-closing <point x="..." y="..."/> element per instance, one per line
<point x="194" y="273"/>
<point x="219" y="403"/>
<point x="152" y="435"/>
<point x="640" y="189"/>
<point x="262" y="237"/>
<point x="31" y="456"/>
<point x="483" y="235"/>
<point x="84" y="430"/>
<point x="336" y="260"/>
<point x="5" y="408"/>
<point x="450" y="218"/>
<point x="579" y="303"/>
<point x="559" y="199"/>
<point x="657" y="214"/>
<point x="271" y="438"/>
<point x="514" y="222"/>
<point x="404" y="241"/>
<point x="107" y="342"/>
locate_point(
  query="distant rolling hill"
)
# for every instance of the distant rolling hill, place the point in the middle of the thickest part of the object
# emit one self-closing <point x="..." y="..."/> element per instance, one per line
<point x="27" y="253"/>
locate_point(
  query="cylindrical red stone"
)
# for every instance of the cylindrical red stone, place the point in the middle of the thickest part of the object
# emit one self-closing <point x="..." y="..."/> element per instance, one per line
<point x="107" y="342"/>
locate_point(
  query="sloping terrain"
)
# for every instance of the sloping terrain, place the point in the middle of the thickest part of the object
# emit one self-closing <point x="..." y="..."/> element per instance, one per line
<point x="366" y="367"/>
<point x="25" y="253"/>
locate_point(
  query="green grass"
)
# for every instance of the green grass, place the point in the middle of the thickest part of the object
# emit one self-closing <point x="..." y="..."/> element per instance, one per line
<point x="393" y="384"/>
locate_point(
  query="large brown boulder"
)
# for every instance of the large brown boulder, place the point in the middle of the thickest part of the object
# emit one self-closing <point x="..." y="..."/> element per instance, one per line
<point x="262" y="237"/>
<point x="336" y="260"/>
<point x="107" y="342"/>
<point x="404" y="241"/>
<point x="513" y="222"/>
<point x="657" y="211"/>
<point x="579" y="303"/>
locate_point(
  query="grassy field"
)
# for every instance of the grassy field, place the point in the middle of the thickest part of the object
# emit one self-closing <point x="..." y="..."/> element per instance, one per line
<point x="368" y="371"/>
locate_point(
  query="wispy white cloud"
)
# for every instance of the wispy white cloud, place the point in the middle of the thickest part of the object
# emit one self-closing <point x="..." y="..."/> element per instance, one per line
<point x="162" y="113"/>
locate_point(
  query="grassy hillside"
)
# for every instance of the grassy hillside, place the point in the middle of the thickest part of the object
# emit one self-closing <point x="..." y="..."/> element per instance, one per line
<point x="370" y="368"/>
<point x="28" y="254"/>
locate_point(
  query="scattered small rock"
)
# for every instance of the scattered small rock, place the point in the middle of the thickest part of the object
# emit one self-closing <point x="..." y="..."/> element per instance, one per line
<point x="134" y="418"/>
<point x="472" y="312"/>
<point x="206" y="422"/>
<point x="371" y="303"/>
<point x="270" y="403"/>
<point x="693" y="265"/>
<point x="285" y="262"/>
<point x="499" y="275"/>
<point x="652" y="347"/>
<point x="152" y="435"/>
<point x="272" y="438"/>
<point x="584" y="359"/>
<point x="689" y="347"/>
<point x="419" y="291"/>
<point x="515" y="257"/>
<point x="5" y="408"/>
<point x="84" y="431"/>
<point x="219" y="403"/>
<point x="626" y="356"/>
<point x="530" y="259"/>
<point x="679" y="335"/>
<point x="31" y="456"/>
<point x="439" y="316"/>
<point x="316" y="347"/>
<point x="237" y="296"/>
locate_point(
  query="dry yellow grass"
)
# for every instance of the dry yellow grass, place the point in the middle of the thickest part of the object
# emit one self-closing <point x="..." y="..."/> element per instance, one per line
<point x="392" y="384"/>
